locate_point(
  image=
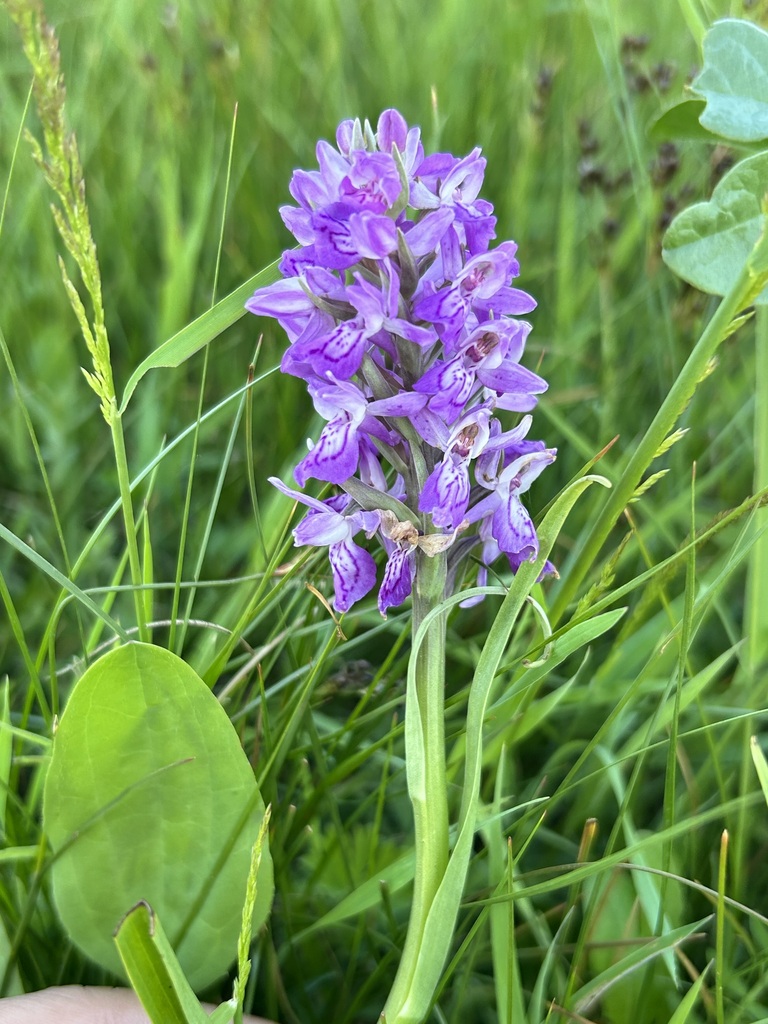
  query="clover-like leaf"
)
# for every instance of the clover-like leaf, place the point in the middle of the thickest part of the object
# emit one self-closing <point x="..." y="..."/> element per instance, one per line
<point x="150" y="797"/>
<point x="709" y="243"/>
<point x="734" y="81"/>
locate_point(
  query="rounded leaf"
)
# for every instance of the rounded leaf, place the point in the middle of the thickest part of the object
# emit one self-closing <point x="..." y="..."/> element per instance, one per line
<point x="149" y="796"/>
<point x="709" y="243"/>
<point x="734" y="80"/>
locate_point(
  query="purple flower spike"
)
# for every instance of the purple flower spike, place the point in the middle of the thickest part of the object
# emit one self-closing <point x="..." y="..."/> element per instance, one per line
<point x="403" y="322"/>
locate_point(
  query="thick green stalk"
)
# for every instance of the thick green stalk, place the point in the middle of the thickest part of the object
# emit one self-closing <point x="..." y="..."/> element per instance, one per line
<point x="124" y="483"/>
<point x="425" y="764"/>
<point x="746" y="288"/>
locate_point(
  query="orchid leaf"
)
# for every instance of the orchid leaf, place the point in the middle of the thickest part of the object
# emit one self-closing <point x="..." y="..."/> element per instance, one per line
<point x="202" y="331"/>
<point x="734" y="81"/>
<point x="150" y="797"/>
<point x="709" y="243"/>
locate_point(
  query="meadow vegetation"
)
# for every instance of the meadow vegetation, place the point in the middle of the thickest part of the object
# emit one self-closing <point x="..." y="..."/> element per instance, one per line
<point x="620" y="868"/>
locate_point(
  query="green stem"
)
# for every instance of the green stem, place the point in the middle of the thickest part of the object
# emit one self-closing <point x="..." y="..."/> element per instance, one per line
<point x="124" y="483"/>
<point x="425" y="760"/>
<point x="746" y="288"/>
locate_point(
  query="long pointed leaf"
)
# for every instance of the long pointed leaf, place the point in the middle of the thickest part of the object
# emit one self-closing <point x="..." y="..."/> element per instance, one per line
<point x="200" y="332"/>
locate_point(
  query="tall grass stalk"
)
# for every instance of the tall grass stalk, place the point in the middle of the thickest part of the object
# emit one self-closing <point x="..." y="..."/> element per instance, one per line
<point x="64" y="174"/>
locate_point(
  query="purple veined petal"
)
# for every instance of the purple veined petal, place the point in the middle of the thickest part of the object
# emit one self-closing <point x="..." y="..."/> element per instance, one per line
<point x="373" y="235"/>
<point x="303" y="499"/>
<point x="422" y="336"/>
<point x="344" y="136"/>
<point x="424" y="237"/>
<point x="406" y="403"/>
<point x="333" y="168"/>
<point x="295" y="262"/>
<point x="367" y="299"/>
<point x="442" y="307"/>
<point x="435" y="168"/>
<point x="446" y="493"/>
<point x="512" y="377"/>
<point x="398" y="579"/>
<point x="450" y="384"/>
<point x="391" y="130"/>
<point x="334" y="458"/>
<point x="354" y="573"/>
<point x="414" y="151"/>
<point x="483" y="508"/>
<point x="431" y="427"/>
<point x="422" y="198"/>
<point x="340" y="352"/>
<point x="514" y="530"/>
<point x="520" y="474"/>
<point x="369" y="467"/>
<point x="298" y="222"/>
<point x="502" y="439"/>
<point x="479" y="225"/>
<point x="465" y="178"/>
<point x="372" y="181"/>
<point x="308" y="189"/>
<point x="512" y="402"/>
<point x="333" y="245"/>
<point x="364" y="520"/>
<point x="471" y="434"/>
<point x="392" y="289"/>
<point x="453" y="257"/>
<point x="319" y="529"/>
<point x="494" y="341"/>
<point x="283" y="298"/>
<point x="331" y="397"/>
<point x="506" y="301"/>
<point x="483" y="276"/>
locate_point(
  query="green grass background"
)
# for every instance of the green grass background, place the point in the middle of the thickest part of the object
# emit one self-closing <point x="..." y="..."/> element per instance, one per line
<point x="559" y="95"/>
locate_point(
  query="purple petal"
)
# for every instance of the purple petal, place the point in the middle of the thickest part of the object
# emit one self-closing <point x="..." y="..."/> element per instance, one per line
<point x="373" y="235"/>
<point x="514" y="530"/>
<point x="304" y="499"/>
<point x="334" y="458"/>
<point x="319" y="529"/>
<point x="404" y="404"/>
<point x="283" y="298"/>
<point x="511" y="301"/>
<point x="511" y="377"/>
<point x="372" y="181"/>
<point x="344" y="136"/>
<point x="451" y="385"/>
<point x="398" y="579"/>
<point x="340" y="352"/>
<point x="424" y="237"/>
<point x="354" y="573"/>
<point x="391" y="130"/>
<point x="423" y="336"/>
<point x="446" y="493"/>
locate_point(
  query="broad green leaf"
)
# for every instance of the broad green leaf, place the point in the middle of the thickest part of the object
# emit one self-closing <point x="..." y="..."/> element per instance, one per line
<point x="709" y="243"/>
<point x="200" y="332"/>
<point x="149" y="797"/>
<point x="681" y="122"/>
<point x="734" y="81"/>
<point x="153" y="970"/>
